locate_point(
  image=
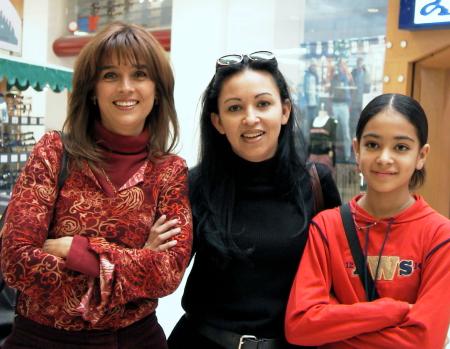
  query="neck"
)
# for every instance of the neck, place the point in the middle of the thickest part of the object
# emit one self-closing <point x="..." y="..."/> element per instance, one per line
<point x="383" y="206"/>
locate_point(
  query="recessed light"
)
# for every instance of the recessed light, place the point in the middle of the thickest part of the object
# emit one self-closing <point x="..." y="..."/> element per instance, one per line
<point x="373" y="10"/>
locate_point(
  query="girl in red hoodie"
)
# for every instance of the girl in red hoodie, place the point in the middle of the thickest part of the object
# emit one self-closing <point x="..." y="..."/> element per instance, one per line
<point x="405" y="243"/>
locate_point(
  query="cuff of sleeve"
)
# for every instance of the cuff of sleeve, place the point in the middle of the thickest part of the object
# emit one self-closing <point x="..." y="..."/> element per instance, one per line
<point x="81" y="258"/>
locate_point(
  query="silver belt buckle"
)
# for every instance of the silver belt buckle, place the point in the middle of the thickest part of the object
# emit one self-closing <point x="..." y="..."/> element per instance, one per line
<point x="243" y="338"/>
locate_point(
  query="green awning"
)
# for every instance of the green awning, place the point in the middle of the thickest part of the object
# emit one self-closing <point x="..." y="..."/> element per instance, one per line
<point x="24" y="75"/>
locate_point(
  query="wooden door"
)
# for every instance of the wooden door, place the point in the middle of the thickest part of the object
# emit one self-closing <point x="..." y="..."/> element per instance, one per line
<point x="431" y="87"/>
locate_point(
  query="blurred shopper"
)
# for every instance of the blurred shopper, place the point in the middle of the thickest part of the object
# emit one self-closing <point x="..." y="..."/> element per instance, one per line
<point x="88" y="273"/>
<point x="252" y="201"/>
<point x="311" y="92"/>
<point x="361" y="79"/>
<point x="396" y="294"/>
<point x="341" y="98"/>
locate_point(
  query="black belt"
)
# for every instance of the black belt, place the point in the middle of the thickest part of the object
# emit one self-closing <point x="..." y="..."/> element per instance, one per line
<point x="231" y="340"/>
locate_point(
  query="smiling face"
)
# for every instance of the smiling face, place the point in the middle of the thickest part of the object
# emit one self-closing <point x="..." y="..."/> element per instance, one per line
<point x="251" y="114"/>
<point x="125" y="95"/>
<point x="389" y="152"/>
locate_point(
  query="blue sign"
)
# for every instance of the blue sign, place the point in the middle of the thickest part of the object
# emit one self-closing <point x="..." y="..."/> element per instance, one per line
<point x="424" y="14"/>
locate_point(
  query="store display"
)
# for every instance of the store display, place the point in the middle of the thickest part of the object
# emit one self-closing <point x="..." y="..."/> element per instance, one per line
<point x="322" y="140"/>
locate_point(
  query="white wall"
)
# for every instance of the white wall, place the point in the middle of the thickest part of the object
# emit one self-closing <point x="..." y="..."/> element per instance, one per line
<point x="43" y="22"/>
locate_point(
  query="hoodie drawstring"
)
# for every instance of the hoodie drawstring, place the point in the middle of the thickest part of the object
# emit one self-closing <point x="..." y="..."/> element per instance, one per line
<point x="366" y="252"/>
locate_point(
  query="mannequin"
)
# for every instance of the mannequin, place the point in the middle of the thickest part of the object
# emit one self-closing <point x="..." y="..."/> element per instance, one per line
<point x="321" y="118"/>
<point x="322" y="139"/>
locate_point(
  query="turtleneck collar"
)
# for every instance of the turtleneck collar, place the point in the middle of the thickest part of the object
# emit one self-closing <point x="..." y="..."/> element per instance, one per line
<point x="123" y="155"/>
<point x="121" y="144"/>
<point x="249" y="172"/>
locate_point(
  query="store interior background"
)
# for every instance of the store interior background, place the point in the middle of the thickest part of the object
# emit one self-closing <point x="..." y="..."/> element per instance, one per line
<point x="298" y="31"/>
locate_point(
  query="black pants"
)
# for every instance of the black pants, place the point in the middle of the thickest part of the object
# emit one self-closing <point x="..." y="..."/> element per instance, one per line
<point x="145" y="333"/>
<point x="185" y="336"/>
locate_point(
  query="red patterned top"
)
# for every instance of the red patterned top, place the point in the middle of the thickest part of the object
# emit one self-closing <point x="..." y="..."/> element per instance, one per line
<point x="131" y="279"/>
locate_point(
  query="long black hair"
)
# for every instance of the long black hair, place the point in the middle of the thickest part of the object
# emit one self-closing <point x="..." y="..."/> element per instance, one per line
<point x="213" y="180"/>
<point x="411" y="110"/>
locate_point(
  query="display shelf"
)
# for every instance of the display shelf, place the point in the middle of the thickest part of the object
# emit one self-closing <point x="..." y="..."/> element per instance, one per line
<point x="24" y="120"/>
<point x="13" y="158"/>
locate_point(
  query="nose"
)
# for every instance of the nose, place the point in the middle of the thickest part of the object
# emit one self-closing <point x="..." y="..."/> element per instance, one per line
<point x="126" y="85"/>
<point x="251" y="117"/>
<point x="385" y="157"/>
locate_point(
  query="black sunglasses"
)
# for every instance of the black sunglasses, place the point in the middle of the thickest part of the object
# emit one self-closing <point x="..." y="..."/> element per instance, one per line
<point x="238" y="58"/>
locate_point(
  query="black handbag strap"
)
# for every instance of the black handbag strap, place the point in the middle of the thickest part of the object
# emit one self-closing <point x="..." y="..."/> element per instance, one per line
<point x="358" y="256"/>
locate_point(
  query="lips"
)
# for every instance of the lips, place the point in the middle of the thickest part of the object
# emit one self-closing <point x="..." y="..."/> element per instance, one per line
<point x="384" y="173"/>
<point x="126" y="104"/>
<point x="252" y="134"/>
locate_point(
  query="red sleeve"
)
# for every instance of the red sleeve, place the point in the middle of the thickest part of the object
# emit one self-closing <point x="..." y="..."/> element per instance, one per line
<point x="427" y="323"/>
<point x="130" y="274"/>
<point x="80" y="258"/>
<point x="314" y="318"/>
<point x="25" y="265"/>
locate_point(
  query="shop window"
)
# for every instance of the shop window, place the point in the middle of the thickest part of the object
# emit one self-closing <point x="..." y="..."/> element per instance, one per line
<point x="340" y="69"/>
<point x="91" y="16"/>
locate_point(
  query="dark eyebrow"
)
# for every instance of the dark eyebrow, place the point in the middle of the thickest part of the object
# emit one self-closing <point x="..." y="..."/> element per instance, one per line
<point x="136" y="66"/>
<point x="262" y="94"/>
<point x="377" y="136"/>
<point x="105" y="67"/>
<point x="232" y="99"/>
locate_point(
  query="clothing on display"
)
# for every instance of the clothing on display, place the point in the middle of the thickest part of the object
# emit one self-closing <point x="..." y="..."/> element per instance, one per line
<point x="322" y="140"/>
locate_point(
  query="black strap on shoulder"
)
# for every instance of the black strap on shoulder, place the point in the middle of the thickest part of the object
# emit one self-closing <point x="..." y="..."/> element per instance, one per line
<point x="358" y="256"/>
<point x="319" y="204"/>
<point x="63" y="172"/>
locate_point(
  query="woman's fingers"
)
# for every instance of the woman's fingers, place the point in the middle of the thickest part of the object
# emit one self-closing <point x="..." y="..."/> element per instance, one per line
<point x="169" y="234"/>
<point x="162" y="231"/>
<point x="167" y="245"/>
<point x="58" y="247"/>
<point x="161" y="226"/>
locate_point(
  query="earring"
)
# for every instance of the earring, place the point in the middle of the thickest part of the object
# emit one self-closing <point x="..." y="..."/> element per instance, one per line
<point x="94" y="100"/>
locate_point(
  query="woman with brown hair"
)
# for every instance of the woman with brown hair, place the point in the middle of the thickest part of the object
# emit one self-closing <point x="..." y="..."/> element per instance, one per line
<point x="88" y="266"/>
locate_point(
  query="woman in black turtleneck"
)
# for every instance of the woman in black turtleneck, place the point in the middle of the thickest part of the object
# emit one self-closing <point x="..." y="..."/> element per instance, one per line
<point x="252" y="201"/>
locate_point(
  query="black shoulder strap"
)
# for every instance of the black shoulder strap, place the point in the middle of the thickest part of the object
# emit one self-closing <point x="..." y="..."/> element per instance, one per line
<point x="358" y="257"/>
<point x="63" y="171"/>
<point x="319" y="204"/>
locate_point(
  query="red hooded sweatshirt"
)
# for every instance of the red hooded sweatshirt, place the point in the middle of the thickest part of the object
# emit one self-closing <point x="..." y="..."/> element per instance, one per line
<point x="327" y="306"/>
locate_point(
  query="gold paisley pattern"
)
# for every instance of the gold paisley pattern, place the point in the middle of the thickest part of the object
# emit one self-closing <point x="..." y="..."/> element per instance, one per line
<point x="131" y="279"/>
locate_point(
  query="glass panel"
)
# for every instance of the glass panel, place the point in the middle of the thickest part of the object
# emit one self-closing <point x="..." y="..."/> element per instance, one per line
<point x="92" y="16"/>
<point x="340" y="63"/>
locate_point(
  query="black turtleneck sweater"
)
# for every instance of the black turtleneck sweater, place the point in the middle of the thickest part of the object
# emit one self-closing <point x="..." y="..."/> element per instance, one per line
<point x="249" y="296"/>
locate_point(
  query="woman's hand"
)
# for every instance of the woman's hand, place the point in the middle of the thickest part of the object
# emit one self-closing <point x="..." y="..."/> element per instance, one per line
<point x="58" y="247"/>
<point x="161" y="233"/>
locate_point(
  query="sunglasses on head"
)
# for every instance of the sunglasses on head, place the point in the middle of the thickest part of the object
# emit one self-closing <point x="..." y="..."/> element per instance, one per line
<point x="238" y="58"/>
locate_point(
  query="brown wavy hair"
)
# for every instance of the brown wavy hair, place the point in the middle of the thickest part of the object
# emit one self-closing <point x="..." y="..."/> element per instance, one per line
<point x="129" y="43"/>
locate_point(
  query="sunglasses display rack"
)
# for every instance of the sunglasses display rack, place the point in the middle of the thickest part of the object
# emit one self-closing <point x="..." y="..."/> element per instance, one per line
<point x="16" y="139"/>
